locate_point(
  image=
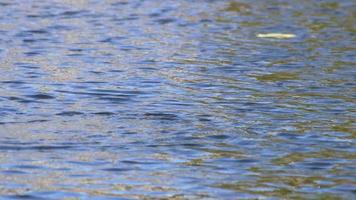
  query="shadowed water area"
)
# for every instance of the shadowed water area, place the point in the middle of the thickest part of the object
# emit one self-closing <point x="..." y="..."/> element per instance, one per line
<point x="111" y="99"/>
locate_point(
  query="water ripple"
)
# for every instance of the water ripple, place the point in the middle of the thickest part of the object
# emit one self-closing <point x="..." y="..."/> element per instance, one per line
<point x="177" y="99"/>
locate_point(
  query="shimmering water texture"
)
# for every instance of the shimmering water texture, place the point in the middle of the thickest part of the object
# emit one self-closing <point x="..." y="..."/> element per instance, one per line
<point x="188" y="99"/>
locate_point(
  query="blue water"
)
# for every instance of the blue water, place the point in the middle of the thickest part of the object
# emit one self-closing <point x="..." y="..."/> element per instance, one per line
<point x="112" y="99"/>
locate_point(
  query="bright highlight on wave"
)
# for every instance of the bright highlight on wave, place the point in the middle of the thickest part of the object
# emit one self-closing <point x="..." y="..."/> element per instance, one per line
<point x="276" y="35"/>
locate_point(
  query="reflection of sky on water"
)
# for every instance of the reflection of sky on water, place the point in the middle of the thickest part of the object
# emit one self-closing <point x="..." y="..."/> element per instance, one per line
<point x="176" y="99"/>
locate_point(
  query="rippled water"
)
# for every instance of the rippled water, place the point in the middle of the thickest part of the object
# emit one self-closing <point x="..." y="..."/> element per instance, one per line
<point x="109" y="99"/>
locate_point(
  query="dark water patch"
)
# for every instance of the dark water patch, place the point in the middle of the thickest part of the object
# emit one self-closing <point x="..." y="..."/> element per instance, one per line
<point x="190" y="145"/>
<point x="33" y="75"/>
<point x="204" y="120"/>
<point x="116" y="100"/>
<point x="219" y="137"/>
<point x="129" y="48"/>
<point x="112" y="40"/>
<point x="22" y="100"/>
<point x="148" y="61"/>
<point x="161" y="116"/>
<point x="32" y="53"/>
<point x="116" y="71"/>
<point x="42" y="15"/>
<point x="96" y="72"/>
<point x="247" y="161"/>
<point x="120" y="3"/>
<point x="72" y="13"/>
<point x="154" y="15"/>
<point x="12" y="172"/>
<point x="32" y="32"/>
<point x="178" y="103"/>
<point x="25" y="196"/>
<point x="4" y="123"/>
<point x="76" y="50"/>
<point x="105" y="94"/>
<point x="27" y="65"/>
<point x="92" y="163"/>
<point x="82" y="145"/>
<point x="104" y="113"/>
<point x="9" y="110"/>
<point x="38" y="31"/>
<point x="41" y="96"/>
<point x="27" y="167"/>
<point x="176" y="145"/>
<point x="61" y="28"/>
<point x="148" y="69"/>
<point x="38" y="121"/>
<point x="75" y="55"/>
<point x="15" y="142"/>
<point x="165" y="21"/>
<point x="117" y="92"/>
<point x="29" y="40"/>
<point x="317" y="165"/>
<point x="91" y="82"/>
<point x="205" y="21"/>
<point x="35" y="148"/>
<point x="117" y="169"/>
<point x="129" y="133"/>
<point x="13" y="82"/>
<point x="69" y="113"/>
<point x="3" y="4"/>
<point x="133" y="162"/>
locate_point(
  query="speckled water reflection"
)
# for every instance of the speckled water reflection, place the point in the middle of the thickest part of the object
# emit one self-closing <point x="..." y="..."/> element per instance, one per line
<point x="110" y="99"/>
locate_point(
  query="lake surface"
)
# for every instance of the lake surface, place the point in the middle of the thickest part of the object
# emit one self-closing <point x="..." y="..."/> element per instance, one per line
<point x="111" y="99"/>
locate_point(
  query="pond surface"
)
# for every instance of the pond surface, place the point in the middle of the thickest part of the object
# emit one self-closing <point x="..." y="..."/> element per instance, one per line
<point x="110" y="99"/>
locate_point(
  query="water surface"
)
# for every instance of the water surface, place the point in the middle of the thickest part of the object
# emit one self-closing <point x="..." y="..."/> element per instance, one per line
<point x="110" y="99"/>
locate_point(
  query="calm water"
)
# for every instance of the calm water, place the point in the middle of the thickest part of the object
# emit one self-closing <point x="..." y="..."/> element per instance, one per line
<point x="110" y="99"/>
